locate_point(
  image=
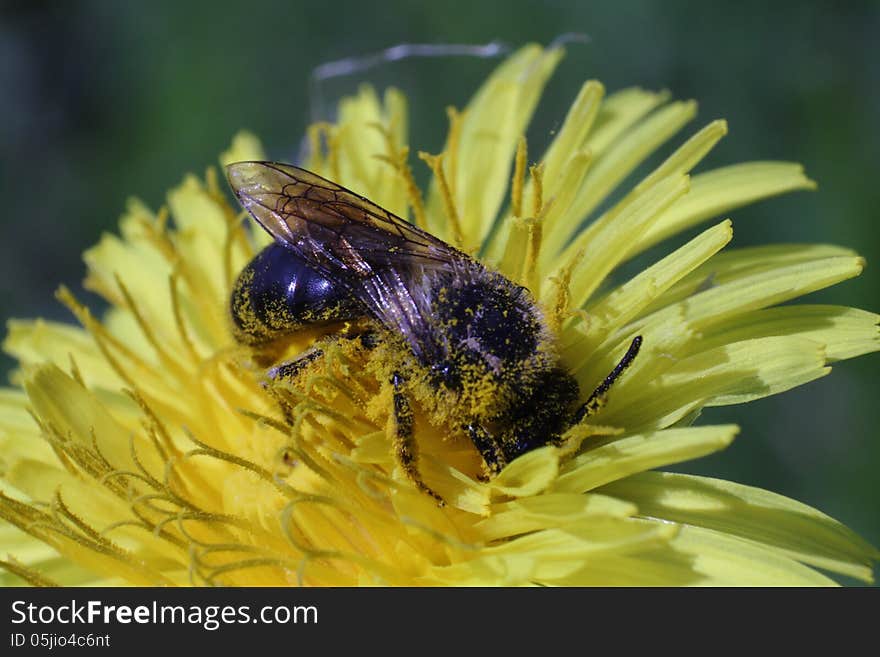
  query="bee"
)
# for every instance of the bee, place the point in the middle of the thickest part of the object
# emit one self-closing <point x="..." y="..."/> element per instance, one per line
<point x="477" y="342"/>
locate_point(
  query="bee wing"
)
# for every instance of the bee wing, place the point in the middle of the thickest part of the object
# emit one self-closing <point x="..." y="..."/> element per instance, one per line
<point x="380" y="257"/>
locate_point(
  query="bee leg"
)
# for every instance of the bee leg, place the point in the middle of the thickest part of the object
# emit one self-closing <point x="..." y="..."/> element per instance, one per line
<point x="489" y="449"/>
<point x="291" y="368"/>
<point x="405" y="447"/>
<point x="288" y="371"/>
<point x="599" y="396"/>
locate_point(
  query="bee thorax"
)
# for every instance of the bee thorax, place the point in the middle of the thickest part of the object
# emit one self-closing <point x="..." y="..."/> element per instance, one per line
<point x="490" y="345"/>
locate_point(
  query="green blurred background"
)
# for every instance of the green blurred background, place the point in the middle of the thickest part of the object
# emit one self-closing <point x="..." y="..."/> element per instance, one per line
<point x="103" y="100"/>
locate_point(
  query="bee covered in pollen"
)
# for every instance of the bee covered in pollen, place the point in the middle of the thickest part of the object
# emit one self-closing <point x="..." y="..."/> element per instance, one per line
<point x="470" y="346"/>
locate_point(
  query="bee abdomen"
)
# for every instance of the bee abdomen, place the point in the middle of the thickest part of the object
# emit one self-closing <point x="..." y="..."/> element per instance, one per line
<point x="278" y="292"/>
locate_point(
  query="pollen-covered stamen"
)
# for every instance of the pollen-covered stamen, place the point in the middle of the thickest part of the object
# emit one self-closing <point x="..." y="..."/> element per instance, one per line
<point x="179" y="321"/>
<point x="29" y="575"/>
<point x="80" y="459"/>
<point x="398" y="158"/>
<point x="436" y="164"/>
<point x="514" y="256"/>
<point x="75" y="372"/>
<point x="535" y="229"/>
<point x="536" y="173"/>
<point x="103" y="339"/>
<point x="523" y="232"/>
<point x="236" y="237"/>
<point x="561" y="297"/>
<point x="156" y="232"/>
<point x="299" y="533"/>
<point x="519" y="175"/>
<point x="452" y="146"/>
<point x="67" y="524"/>
<point x="206" y="574"/>
<point x="161" y="350"/>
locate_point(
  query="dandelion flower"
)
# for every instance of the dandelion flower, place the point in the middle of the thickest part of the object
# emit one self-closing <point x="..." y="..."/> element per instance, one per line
<point x="144" y="447"/>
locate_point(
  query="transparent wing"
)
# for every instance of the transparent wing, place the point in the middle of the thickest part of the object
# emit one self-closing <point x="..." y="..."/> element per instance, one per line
<point x="385" y="261"/>
<point x="329" y="225"/>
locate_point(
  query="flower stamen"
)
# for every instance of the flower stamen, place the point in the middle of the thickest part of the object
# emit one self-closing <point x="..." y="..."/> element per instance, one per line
<point x="519" y="175"/>
<point x="398" y="159"/>
<point x="453" y="139"/>
<point x="436" y="164"/>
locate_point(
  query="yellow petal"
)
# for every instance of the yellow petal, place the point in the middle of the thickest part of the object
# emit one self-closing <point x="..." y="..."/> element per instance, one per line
<point x="40" y="341"/>
<point x="753" y="514"/>
<point x="618" y="161"/>
<point x="529" y="474"/>
<point x="606" y="243"/>
<point x="728" y="561"/>
<point x="845" y="332"/>
<point x="565" y="161"/>
<point x="245" y="147"/>
<point x="736" y="263"/>
<point x="717" y="192"/>
<point x="731" y="374"/>
<point x="667" y="331"/>
<point x="626" y="302"/>
<point x="492" y="124"/>
<point x="550" y="510"/>
<point x="572" y="135"/>
<point x="76" y="415"/>
<point x="620" y="457"/>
